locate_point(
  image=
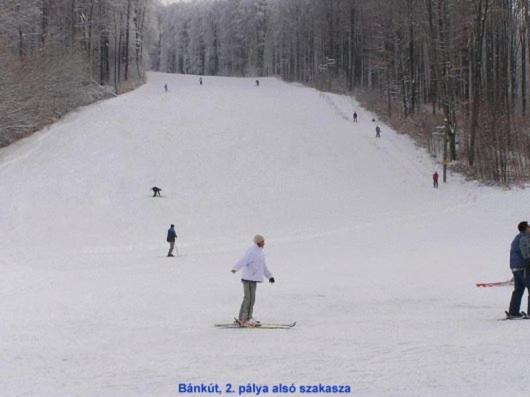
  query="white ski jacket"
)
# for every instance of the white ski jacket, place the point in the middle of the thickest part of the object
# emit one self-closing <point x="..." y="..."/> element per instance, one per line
<point x="253" y="265"/>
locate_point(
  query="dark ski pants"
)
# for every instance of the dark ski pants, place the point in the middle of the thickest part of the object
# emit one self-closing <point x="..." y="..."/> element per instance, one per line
<point x="249" y="297"/>
<point x="521" y="280"/>
<point x="171" y="248"/>
<point x="435" y="184"/>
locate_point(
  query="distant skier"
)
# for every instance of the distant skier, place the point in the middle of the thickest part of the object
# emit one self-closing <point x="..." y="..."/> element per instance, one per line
<point x="377" y="132"/>
<point x="435" y="177"/>
<point x="519" y="265"/>
<point x="254" y="269"/>
<point x="171" y="237"/>
<point x="354" y="117"/>
<point x="165" y="87"/>
<point x="156" y="191"/>
<point x="257" y="83"/>
<point x="200" y="80"/>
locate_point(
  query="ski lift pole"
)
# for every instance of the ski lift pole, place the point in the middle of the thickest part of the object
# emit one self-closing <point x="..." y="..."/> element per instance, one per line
<point x="323" y="69"/>
<point x="446" y="141"/>
<point x="330" y="62"/>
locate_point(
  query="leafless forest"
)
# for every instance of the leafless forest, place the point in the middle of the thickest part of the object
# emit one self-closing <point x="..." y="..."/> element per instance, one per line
<point x="453" y="73"/>
<point x="56" y="55"/>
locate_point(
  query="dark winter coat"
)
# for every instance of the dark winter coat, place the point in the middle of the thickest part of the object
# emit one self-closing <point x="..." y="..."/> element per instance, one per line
<point x="520" y="251"/>
<point x="171" y="235"/>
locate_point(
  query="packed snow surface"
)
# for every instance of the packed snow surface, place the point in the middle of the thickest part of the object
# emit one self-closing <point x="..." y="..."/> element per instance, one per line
<point x="376" y="266"/>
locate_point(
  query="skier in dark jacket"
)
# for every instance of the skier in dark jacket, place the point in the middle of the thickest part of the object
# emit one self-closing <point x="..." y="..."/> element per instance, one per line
<point x="354" y="117"/>
<point x="171" y="237"/>
<point x="435" y="177"/>
<point x="156" y="191"/>
<point x="519" y="265"/>
<point x="257" y="83"/>
<point x="200" y="80"/>
<point x="377" y="132"/>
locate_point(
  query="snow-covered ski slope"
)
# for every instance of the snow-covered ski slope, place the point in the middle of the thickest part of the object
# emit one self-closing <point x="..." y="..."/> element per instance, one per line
<point x="377" y="268"/>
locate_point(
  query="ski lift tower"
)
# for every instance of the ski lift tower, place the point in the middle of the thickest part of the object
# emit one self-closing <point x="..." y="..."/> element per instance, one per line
<point x="448" y="131"/>
<point x="324" y="69"/>
<point x="437" y="144"/>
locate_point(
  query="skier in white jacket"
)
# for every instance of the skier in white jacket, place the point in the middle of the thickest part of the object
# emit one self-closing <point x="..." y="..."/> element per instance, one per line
<point x="253" y="270"/>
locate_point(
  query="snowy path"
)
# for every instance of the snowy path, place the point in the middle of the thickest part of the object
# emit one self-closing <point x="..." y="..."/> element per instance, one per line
<point x="377" y="267"/>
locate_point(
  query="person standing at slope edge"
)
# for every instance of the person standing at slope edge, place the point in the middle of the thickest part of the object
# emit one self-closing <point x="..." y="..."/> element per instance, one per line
<point x="171" y="237"/>
<point x="519" y="265"/>
<point x="354" y="117"/>
<point x="435" y="177"/>
<point x="378" y="132"/>
<point x="253" y="270"/>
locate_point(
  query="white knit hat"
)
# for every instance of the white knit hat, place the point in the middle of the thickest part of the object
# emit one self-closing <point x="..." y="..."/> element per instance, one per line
<point x="258" y="238"/>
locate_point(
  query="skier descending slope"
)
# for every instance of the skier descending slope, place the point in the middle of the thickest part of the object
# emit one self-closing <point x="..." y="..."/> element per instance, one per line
<point x="254" y="269"/>
<point x="156" y="191"/>
<point x="171" y="237"/>
<point x="519" y="264"/>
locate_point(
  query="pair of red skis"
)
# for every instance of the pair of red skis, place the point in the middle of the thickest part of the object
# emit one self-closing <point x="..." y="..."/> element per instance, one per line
<point x="506" y="283"/>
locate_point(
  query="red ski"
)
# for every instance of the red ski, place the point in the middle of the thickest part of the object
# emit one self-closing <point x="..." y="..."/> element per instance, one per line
<point x="496" y="284"/>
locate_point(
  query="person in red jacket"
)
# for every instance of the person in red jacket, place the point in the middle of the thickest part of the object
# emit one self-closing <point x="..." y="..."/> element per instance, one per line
<point x="435" y="179"/>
